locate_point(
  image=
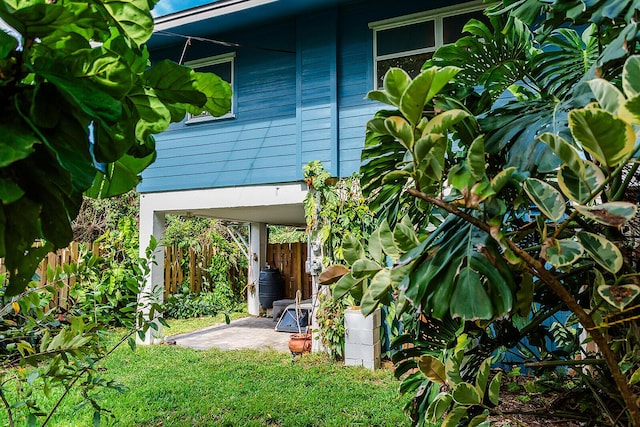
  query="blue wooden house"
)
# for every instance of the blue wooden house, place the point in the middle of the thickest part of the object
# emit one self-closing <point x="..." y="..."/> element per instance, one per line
<point x="300" y="70"/>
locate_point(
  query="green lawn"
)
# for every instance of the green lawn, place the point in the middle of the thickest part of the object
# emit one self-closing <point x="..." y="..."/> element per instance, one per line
<point x="174" y="386"/>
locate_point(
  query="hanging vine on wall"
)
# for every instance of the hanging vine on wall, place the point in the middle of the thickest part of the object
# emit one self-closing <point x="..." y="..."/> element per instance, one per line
<point x="333" y="207"/>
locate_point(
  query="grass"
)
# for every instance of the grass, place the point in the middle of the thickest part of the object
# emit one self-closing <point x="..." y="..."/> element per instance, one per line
<point x="174" y="386"/>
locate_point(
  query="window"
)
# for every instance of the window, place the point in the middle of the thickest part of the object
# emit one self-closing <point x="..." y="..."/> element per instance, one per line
<point x="222" y="66"/>
<point x="409" y="41"/>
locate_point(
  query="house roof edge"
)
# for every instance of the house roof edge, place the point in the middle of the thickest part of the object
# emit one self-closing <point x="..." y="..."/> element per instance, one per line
<point x="211" y="10"/>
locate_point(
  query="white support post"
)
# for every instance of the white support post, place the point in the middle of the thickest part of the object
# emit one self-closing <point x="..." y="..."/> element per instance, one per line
<point x="257" y="260"/>
<point x="314" y="263"/>
<point x="152" y="223"/>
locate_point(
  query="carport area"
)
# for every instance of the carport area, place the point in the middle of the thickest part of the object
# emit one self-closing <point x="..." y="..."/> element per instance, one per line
<point x="246" y="333"/>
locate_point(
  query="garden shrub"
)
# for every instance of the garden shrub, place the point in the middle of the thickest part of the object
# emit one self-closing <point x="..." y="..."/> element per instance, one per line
<point x="220" y="298"/>
<point x="108" y="287"/>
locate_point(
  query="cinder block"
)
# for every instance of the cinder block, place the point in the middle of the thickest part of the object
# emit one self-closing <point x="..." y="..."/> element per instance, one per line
<point x="362" y="351"/>
<point x="353" y="319"/>
<point x="369" y="364"/>
<point x="362" y="336"/>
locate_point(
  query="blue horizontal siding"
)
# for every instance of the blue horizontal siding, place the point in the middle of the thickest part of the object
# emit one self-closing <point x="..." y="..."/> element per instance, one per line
<point x="291" y="107"/>
<point x="258" y="146"/>
<point x="317" y="92"/>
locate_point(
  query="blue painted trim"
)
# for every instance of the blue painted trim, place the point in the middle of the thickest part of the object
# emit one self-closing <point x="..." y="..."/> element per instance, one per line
<point x="299" y="165"/>
<point x="333" y="67"/>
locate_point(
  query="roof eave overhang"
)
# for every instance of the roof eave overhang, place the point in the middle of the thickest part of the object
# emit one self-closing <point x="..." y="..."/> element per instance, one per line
<point x="206" y="12"/>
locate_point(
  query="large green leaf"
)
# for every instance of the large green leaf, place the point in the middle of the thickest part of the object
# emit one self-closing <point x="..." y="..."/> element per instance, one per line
<point x="608" y="96"/>
<point x="438" y="407"/>
<point x="368" y="304"/>
<point x="565" y="59"/>
<point x="498" y="279"/>
<point x="16" y="142"/>
<point x="502" y="178"/>
<point x="488" y="58"/>
<point x="601" y="250"/>
<point x="174" y="83"/>
<point x="365" y="268"/>
<point x="401" y="130"/>
<point x="352" y="249"/>
<point x="466" y="394"/>
<point x="430" y="153"/>
<point x="41" y="19"/>
<point x="483" y="376"/>
<point x="415" y="95"/>
<point x="630" y="76"/>
<point x="121" y="176"/>
<point x="454" y="416"/>
<point x="546" y="198"/>
<point x="70" y="143"/>
<point x="432" y="368"/>
<point x="422" y="89"/>
<point x="565" y="151"/>
<point x="395" y="82"/>
<point x="614" y="214"/>
<point x="606" y="137"/>
<point x="475" y="158"/>
<point x="470" y="300"/>
<point x="380" y="285"/>
<point x="374" y="247"/>
<point x="444" y="121"/>
<point x="217" y="92"/>
<point x="387" y="240"/>
<point x="581" y="187"/>
<point x="9" y="191"/>
<point x="133" y="17"/>
<point x="405" y="237"/>
<point x="494" y="388"/>
<point x="95" y="103"/>
<point x="630" y="110"/>
<point x="106" y="69"/>
<point x="480" y="420"/>
<point x="154" y="114"/>
<point x="345" y="285"/>
<point x="20" y="231"/>
<point x="564" y="252"/>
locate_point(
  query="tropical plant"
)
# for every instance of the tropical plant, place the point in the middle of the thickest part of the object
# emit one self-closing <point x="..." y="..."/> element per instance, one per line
<point x="518" y="89"/>
<point x="330" y="318"/>
<point x="459" y="400"/>
<point x="333" y="208"/>
<point x="80" y="105"/>
<point x="484" y="260"/>
<point x="186" y="305"/>
<point x="109" y="287"/>
<point x="43" y="348"/>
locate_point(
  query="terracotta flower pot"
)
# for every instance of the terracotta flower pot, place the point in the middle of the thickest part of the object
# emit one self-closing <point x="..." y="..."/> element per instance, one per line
<point x="300" y="343"/>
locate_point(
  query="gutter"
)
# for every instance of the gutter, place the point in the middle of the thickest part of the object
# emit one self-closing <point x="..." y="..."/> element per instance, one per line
<point x="213" y="10"/>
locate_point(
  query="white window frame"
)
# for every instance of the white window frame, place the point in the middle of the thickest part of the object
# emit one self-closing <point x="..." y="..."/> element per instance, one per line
<point x="435" y="15"/>
<point x="214" y="60"/>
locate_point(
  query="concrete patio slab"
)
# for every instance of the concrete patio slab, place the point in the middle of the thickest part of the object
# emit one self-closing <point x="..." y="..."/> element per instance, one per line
<point x="245" y="333"/>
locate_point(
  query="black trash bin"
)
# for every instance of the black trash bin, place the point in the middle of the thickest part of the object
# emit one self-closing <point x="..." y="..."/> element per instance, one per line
<point x="270" y="287"/>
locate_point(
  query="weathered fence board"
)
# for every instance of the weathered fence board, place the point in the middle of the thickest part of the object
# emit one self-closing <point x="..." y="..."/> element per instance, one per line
<point x="290" y="259"/>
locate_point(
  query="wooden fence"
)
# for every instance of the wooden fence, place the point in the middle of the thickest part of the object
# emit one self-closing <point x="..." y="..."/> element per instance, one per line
<point x="290" y="258"/>
<point x="194" y="266"/>
<point x="56" y="259"/>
